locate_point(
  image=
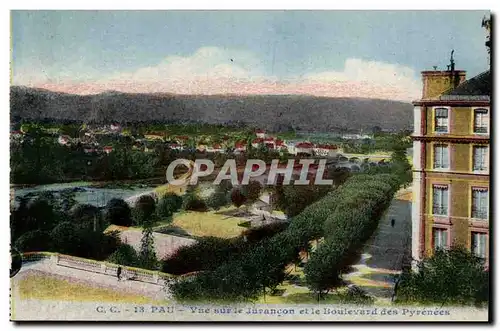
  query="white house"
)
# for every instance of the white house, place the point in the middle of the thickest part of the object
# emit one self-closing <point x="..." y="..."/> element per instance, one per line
<point x="325" y="150"/>
<point x="257" y="142"/>
<point x="260" y="133"/>
<point x="290" y="146"/>
<point x="270" y="143"/>
<point x="177" y="147"/>
<point x="240" y="146"/>
<point x="216" y="148"/>
<point x="304" y="148"/>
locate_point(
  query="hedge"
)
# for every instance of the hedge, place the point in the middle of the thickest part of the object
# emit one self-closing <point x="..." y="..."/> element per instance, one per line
<point x="361" y="204"/>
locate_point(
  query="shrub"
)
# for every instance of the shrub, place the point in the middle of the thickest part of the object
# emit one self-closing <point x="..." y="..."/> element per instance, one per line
<point x="88" y="217"/>
<point x="125" y="255"/>
<point x="217" y="200"/>
<point x="452" y="276"/>
<point x="210" y="252"/>
<point x="252" y="191"/>
<point x="34" y="241"/>
<point x="206" y="254"/>
<point x="237" y="197"/>
<point x="168" y="205"/>
<point x="118" y="212"/>
<point x="144" y="209"/>
<point x="65" y="238"/>
<point x="191" y="201"/>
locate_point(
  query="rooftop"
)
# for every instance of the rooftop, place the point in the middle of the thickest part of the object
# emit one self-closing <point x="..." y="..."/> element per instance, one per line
<point x="476" y="88"/>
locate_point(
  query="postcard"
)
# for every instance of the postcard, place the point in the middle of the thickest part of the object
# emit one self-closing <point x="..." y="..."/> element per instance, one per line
<point x="255" y="166"/>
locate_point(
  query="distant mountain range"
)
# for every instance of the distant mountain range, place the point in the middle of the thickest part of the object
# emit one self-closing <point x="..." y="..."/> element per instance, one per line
<point x="270" y="112"/>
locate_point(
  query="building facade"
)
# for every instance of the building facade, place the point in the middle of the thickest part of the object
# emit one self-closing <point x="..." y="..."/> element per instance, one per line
<point x="451" y="173"/>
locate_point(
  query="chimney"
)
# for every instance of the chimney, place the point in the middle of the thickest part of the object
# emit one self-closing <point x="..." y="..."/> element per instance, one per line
<point x="436" y="82"/>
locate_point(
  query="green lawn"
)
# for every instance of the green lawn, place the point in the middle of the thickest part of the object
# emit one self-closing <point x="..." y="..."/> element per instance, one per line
<point x="211" y="223"/>
<point x="50" y="288"/>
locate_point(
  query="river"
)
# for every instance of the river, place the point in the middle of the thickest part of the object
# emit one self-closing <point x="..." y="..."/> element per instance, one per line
<point x="85" y="193"/>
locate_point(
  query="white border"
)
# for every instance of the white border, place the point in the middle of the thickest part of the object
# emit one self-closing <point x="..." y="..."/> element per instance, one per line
<point x="200" y="4"/>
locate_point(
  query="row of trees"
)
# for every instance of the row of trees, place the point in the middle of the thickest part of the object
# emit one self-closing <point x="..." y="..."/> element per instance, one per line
<point x="360" y="204"/>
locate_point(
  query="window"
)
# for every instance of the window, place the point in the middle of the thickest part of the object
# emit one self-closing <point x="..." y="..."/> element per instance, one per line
<point x="480" y="155"/>
<point x="441" y="157"/>
<point x="478" y="244"/>
<point x="479" y="203"/>
<point x="440" y="200"/>
<point x="441" y="120"/>
<point x="440" y="237"/>
<point x="481" y="121"/>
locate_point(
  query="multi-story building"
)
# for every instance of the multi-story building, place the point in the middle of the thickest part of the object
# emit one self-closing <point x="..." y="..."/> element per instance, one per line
<point x="451" y="181"/>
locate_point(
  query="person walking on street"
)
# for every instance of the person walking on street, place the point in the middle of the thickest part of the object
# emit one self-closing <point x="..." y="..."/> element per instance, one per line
<point x="119" y="273"/>
<point x="393" y="222"/>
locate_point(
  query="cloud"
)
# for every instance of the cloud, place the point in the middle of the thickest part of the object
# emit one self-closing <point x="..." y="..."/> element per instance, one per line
<point x="378" y="75"/>
<point x="213" y="70"/>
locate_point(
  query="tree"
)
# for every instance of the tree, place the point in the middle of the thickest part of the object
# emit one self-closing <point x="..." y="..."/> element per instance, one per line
<point x="65" y="239"/>
<point x="168" y="205"/>
<point x="224" y="186"/>
<point x="125" y="255"/>
<point x="118" y="212"/>
<point x="237" y="197"/>
<point x="67" y="200"/>
<point x="322" y="277"/>
<point x="86" y="216"/>
<point x="191" y="201"/>
<point x="40" y="214"/>
<point x="401" y="167"/>
<point x="217" y="200"/>
<point x="34" y="241"/>
<point x="147" y="253"/>
<point x="144" y="209"/>
<point x="293" y="199"/>
<point x="252" y="191"/>
<point x="454" y="276"/>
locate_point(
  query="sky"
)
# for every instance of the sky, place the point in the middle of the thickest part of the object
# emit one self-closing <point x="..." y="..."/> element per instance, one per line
<point x="371" y="54"/>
